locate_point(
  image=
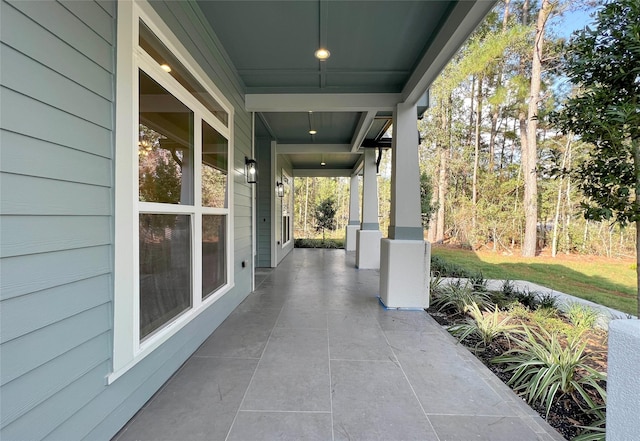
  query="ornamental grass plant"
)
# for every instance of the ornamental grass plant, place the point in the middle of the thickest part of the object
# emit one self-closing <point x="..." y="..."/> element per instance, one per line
<point x="543" y="367"/>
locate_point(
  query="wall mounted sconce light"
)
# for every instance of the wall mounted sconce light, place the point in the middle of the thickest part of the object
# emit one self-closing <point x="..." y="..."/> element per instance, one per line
<point x="280" y="189"/>
<point x="250" y="170"/>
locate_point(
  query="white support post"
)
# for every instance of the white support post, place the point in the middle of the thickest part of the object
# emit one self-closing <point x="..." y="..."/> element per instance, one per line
<point x="354" y="215"/>
<point x="623" y="383"/>
<point x="405" y="256"/>
<point x="369" y="235"/>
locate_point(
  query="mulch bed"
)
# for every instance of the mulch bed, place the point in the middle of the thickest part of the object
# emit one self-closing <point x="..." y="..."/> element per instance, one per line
<point x="565" y="415"/>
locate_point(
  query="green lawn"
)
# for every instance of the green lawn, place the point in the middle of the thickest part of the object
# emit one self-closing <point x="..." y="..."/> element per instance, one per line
<point x="609" y="282"/>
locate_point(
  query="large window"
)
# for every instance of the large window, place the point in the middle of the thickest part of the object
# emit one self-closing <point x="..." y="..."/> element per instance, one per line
<point x="174" y="167"/>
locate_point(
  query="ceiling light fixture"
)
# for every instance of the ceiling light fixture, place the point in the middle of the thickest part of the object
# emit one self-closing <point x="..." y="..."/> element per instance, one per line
<point x="312" y="131"/>
<point x="165" y="67"/>
<point x="322" y="54"/>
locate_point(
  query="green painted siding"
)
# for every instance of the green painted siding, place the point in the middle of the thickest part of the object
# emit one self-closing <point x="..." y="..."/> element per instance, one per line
<point x="263" y="203"/>
<point x="56" y="170"/>
<point x="56" y="88"/>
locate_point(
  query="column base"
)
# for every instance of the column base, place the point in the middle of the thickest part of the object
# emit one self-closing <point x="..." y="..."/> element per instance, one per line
<point x="405" y="273"/>
<point x="623" y="388"/>
<point x="368" y="249"/>
<point x="350" y="237"/>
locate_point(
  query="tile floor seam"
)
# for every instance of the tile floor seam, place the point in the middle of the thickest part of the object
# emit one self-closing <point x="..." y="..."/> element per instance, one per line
<point x="225" y="357"/>
<point x="415" y="395"/>
<point x="365" y="359"/>
<point x="244" y="396"/>
<point x="323" y="412"/>
<point x="330" y="381"/>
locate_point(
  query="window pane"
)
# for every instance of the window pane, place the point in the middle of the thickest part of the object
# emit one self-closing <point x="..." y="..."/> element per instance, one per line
<point x="214" y="273"/>
<point x="165" y="146"/>
<point x="165" y="269"/>
<point x="214" y="168"/>
<point x="159" y="52"/>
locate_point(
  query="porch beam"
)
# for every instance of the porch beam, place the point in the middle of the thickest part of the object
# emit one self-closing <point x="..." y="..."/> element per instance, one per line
<point x="357" y="169"/>
<point x="364" y="124"/>
<point x="460" y="23"/>
<point x="321" y="172"/>
<point x="321" y="102"/>
<point x="300" y="149"/>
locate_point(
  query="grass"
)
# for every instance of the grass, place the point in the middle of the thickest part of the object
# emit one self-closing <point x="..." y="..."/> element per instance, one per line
<point x="609" y="282"/>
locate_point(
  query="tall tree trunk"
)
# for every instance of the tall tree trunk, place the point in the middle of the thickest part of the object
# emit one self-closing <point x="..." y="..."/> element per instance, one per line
<point x="567" y="209"/>
<point x="444" y="146"/>
<point x="635" y="146"/>
<point x="556" y="220"/>
<point x="530" y="159"/>
<point x="495" y="111"/>
<point x="442" y="192"/>
<point x="638" y="261"/>
<point x="472" y="96"/>
<point x="476" y="157"/>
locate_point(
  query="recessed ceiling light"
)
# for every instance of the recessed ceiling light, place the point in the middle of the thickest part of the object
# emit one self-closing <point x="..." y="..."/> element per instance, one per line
<point x="312" y="132"/>
<point x="322" y="164"/>
<point x="165" y="67"/>
<point x="322" y="54"/>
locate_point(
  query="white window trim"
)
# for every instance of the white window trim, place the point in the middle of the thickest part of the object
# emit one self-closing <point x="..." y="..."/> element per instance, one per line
<point x="127" y="348"/>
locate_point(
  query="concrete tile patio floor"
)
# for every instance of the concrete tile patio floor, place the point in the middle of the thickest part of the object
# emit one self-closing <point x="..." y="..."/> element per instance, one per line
<point x="311" y="355"/>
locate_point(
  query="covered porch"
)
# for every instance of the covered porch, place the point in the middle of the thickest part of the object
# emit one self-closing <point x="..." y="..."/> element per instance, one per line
<point x="312" y="355"/>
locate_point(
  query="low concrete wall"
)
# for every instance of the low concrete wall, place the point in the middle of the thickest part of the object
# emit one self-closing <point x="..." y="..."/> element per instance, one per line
<point x="563" y="300"/>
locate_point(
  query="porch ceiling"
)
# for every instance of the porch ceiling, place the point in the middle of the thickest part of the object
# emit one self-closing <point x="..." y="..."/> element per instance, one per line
<point x="382" y="52"/>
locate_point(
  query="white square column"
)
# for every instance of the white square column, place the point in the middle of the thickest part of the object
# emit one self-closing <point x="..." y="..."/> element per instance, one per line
<point x="350" y="237"/>
<point x="354" y="217"/>
<point x="404" y="273"/>
<point x="369" y="235"/>
<point x="623" y="385"/>
<point x="405" y="256"/>
<point x="368" y="249"/>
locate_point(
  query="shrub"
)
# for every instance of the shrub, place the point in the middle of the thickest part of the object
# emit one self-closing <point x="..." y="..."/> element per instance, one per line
<point x="542" y="367"/>
<point x="582" y="316"/>
<point x="478" y="282"/>
<point x="447" y="269"/>
<point x="435" y="284"/>
<point x="508" y="288"/>
<point x="527" y="298"/>
<point x="486" y="326"/>
<point x="597" y="430"/>
<point x="458" y="296"/>
<point x="318" y="243"/>
<point x="547" y="301"/>
<point x="519" y="311"/>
